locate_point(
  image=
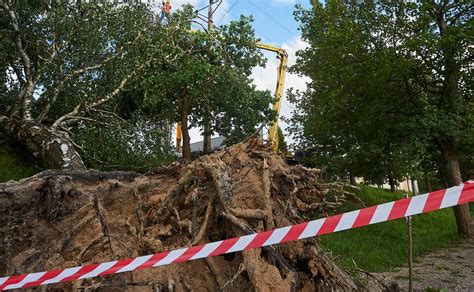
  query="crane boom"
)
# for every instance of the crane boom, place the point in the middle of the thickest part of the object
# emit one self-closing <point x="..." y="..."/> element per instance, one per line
<point x="281" y="74"/>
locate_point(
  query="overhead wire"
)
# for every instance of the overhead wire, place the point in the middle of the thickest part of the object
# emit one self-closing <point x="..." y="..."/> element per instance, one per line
<point x="227" y="11"/>
<point x="270" y="17"/>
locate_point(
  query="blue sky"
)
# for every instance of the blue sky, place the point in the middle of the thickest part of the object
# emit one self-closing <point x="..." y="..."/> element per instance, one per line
<point x="274" y="23"/>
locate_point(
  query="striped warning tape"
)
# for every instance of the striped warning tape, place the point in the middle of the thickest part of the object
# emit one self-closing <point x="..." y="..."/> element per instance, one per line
<point x="458" y="195"/>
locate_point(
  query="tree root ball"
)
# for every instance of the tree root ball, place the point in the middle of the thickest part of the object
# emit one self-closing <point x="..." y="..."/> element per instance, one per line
<point x="60" y="219"/>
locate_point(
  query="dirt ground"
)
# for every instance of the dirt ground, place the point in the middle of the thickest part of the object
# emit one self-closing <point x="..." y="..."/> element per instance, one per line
<point x="449" y="269"/>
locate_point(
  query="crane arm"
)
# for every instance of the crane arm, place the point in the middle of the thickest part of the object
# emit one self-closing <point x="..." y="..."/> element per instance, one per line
<point x="281" y="74"/>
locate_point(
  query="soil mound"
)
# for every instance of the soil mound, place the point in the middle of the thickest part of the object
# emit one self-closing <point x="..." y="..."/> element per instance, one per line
<point x="68" y="218"/>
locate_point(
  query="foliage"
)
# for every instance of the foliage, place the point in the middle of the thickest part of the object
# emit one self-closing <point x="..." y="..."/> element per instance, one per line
<point x="136" y="144"/>
<point x="383" y="246"/>
<point x="208" y="81"/>
<point x="383" y="99"/>
<point x="95" y="72"/>
<point x="282" y="145"/>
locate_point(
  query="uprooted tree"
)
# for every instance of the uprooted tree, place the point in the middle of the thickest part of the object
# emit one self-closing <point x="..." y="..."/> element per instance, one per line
<point x="67" y="68"/>
<point x="68" y="218"/>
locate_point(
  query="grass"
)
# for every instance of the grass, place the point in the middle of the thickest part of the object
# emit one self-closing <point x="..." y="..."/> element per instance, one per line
<point x="14" y="164"/>
<point x="383" y="246"/>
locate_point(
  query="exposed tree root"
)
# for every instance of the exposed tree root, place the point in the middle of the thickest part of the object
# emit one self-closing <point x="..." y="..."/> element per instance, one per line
<point x="87" y="217"/>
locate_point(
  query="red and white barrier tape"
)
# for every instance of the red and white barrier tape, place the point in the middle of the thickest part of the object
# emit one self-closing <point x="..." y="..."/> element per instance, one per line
<point x="385" y="212"/>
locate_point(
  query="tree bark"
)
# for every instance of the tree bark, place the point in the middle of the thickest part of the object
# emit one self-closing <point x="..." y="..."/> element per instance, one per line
<point x="352" y="179"/>
<point x="52" y="149"/>
<point x="185" y="130"/>
<point x="450" y="150"/>
<point x="391" y="181"/>
<point x="428" y="183"/>
<point x="206" y="146"/>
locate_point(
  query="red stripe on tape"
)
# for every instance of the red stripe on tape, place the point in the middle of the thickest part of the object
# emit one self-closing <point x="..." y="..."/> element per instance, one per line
<point x="13" y="280"/>
<point x="189" y="253"/>
<point x="329" y="224"/>
<point x="294" y="232"/>
<point x="467" y="194"/>
<point x="153" y="260"/>
<point x="364" y="217"/>
<point x="224" y="246"/>
<point x="259" y="240"/>
<point x="434" y="200"/>
<point x="82" y="271"/>
<point x="48" y="275"/>
<point x="399" y="209"/>
<point x="118" y="265"/>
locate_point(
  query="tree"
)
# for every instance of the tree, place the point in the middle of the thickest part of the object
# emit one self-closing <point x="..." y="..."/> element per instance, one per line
<point x="208" y="82"/>
<point x="398" y="83"/>
<point x="64" y="64"/>
<point x="76" y="72"/>
<point x="282" y="145"/>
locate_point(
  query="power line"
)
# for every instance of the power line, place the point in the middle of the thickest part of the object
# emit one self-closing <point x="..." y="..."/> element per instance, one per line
<point x="218" y="4"/>
<point x="228" y="10"/>
<point x="271" y="18"/>
<point x="260" y="33"/>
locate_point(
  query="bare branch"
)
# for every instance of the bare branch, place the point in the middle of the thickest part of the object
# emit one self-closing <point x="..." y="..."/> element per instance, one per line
<point x="119" y="55"/>
<point x="24" y="98"/>
<point x="73" y="114"/>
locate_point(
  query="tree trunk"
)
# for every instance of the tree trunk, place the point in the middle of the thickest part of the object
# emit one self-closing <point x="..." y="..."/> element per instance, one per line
<point x="186" y="138"/>
<point x="428" y="183"/>
<point x="442" y="174"/>
<point x="53" y="150"/>
<point x="391" y="181"/>
<point x="352" y="179"/>
<point x="450" y="150"/>
<point x="207" y="146"/>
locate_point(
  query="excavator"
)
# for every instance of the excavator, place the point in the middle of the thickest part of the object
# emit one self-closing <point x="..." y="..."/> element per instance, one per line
<point x="272" y="139"/>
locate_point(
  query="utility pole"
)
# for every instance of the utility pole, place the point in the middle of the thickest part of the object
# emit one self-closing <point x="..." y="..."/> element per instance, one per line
<point x="206" y="146"/>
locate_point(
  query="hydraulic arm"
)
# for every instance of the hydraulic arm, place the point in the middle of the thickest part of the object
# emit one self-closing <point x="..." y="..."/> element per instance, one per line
<point x="281" y="74"/>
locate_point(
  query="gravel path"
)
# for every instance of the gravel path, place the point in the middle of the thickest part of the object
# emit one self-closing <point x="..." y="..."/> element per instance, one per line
<point x="449" y="269"/>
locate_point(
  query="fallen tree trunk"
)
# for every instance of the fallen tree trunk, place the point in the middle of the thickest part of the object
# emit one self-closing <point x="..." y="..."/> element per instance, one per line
<point x="67" y="218"/>
<point x="51" y="148"/>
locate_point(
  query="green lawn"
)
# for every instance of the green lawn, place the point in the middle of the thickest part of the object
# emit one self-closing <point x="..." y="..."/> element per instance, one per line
<point x="383" y="246"/>
<point x="14" y="164"/>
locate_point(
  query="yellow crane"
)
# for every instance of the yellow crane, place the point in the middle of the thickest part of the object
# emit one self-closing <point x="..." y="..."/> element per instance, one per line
<point x="282" y="55"/>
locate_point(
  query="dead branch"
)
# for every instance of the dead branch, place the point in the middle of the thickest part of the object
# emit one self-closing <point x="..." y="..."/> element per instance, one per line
<point x="215" y="270"/>
<point x="105" y="228"/>
<point x="203" y="229"/>
<point x="68" y="116"/>
<point x="249" y="213"/>
<point x="266" y="195"/>
<point x="232" y="279"/>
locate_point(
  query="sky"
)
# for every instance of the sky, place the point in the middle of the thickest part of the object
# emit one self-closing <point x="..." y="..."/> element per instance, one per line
<point x="274" y="24"/>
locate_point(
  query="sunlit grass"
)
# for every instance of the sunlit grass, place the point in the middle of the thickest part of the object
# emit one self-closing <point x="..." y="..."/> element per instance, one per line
<point x="383" y="246"/>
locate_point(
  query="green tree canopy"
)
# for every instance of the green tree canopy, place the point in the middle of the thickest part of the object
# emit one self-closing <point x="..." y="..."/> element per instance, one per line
<point x="82" y="74"/>
<point x="391" y="82"/>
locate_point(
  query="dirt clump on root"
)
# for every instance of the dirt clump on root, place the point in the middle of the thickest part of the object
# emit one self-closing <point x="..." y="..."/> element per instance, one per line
<point x="60" y="219"/>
